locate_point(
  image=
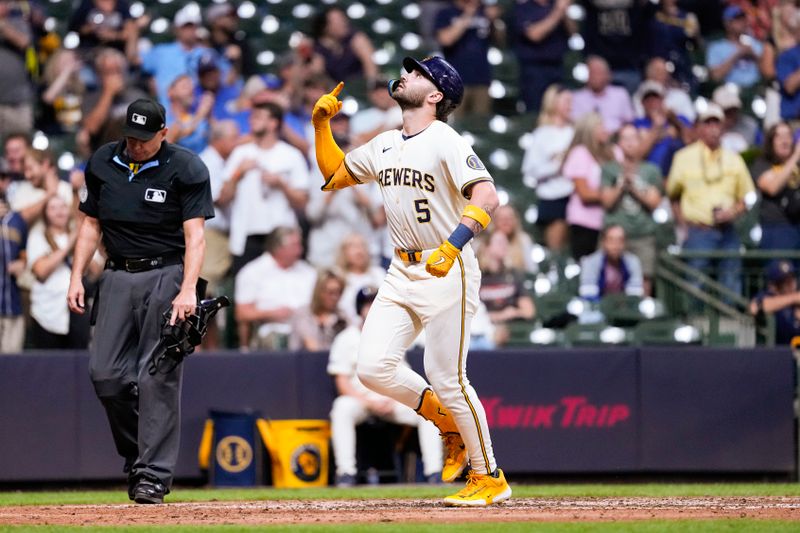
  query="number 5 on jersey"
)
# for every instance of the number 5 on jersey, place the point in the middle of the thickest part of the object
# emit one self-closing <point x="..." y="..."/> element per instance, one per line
<point x="423" y="211"/>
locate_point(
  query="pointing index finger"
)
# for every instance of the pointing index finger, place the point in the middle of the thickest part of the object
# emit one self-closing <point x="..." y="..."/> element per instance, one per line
<point x="336" y="90"/>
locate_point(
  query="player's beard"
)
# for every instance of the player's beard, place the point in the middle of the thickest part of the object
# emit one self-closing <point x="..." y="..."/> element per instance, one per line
<point x="408" y="99"/>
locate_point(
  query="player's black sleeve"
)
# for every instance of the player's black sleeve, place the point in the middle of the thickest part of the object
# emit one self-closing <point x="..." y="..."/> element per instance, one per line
<point x="89" y="200"/>
<point x="195" y="191"/>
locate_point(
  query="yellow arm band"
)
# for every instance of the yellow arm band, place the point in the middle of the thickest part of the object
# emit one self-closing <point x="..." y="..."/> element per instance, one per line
<point x="339" y="179"/>
<point x="329" y="156"/>
<point x="477" y="214"/>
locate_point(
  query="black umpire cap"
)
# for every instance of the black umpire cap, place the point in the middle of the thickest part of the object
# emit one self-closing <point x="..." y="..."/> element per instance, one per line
<point x="145" y="118"/>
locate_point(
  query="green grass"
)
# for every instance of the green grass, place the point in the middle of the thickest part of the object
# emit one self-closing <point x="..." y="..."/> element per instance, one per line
<point x="676" y="526"/>
<point x="653" y="490"/>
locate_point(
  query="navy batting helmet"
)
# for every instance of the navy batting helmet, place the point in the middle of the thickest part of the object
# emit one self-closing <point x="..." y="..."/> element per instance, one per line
<point x="441" y="73"/>
<point x="365" y="296"/>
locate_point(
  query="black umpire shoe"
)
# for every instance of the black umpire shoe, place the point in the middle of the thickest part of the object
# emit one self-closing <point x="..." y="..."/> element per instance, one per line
<point x="149" y="491"/>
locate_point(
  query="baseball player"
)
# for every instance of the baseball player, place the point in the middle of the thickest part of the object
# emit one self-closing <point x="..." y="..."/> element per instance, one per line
<point x="438" y="196"/>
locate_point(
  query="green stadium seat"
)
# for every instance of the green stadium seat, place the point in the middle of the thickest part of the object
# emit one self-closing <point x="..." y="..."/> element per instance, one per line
<point x="665" y="332"/>
<point x="625" y="310"/>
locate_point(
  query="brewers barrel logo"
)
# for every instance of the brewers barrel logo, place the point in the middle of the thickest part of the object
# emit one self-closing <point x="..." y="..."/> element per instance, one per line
<point x="307" y="462"/>
<point x="234" y="454"/>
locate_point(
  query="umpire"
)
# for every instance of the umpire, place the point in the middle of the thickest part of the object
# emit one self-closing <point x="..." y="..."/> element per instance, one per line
<point x="148" y="201"/>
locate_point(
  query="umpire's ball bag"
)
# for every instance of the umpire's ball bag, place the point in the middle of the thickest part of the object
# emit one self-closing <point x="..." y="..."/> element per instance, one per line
<point x="299" y="451"/>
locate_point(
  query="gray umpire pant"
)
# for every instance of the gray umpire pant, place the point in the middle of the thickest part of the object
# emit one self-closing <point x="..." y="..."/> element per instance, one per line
<point x="143" y="409"/>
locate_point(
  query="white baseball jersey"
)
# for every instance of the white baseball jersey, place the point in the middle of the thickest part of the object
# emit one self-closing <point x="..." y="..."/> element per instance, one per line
<point x="423" y="179"/>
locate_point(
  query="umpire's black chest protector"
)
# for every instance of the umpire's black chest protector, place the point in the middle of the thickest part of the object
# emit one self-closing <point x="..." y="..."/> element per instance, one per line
<point x="145" y="193"/>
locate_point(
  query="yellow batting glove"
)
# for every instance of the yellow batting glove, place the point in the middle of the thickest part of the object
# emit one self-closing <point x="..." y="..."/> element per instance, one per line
<point x="326" y="107"/>
<point x="441" y="260"/>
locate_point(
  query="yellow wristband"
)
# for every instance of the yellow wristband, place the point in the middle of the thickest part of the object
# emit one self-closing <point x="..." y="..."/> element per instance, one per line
<point x="477" y="214"/>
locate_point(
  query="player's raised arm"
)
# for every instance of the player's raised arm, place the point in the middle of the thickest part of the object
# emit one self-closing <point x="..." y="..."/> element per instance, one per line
<point x="474" y="219"/>
<point x="330" y="158"/>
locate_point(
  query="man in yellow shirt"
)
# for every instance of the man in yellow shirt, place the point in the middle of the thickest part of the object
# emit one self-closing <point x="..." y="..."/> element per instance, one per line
<point x="710" y="184"/>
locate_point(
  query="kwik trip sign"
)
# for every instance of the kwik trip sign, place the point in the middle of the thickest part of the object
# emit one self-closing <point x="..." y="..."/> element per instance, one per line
<point x="568" y="412"/>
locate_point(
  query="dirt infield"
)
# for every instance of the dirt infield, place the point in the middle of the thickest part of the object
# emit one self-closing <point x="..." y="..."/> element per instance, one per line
<point x="373" y="511"/>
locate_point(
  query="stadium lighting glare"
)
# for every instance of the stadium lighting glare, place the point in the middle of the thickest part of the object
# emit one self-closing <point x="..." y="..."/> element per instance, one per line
<point x="648" y="307"/>
<point x="572" y="270"/>
<point x="66" y="161"/>
<point x="495" y="56"/>
<point x="756" y="233"/>
<point x="302" y="11"/>
<point x="498" y="124"/>
<point x="247" y="10"/>
<point x="296" y="38"/>
<point x="529" y="181"/>
<point x="40" y="141"/>
<point x="660" y="215"/>
<point x="356" y="11"/>
<point x="612" y="335"/>
<point x="50" y="24"/>
<point x="136" y="10"/>
<point x="532" y="215"/>
<point x="159" y="25"/>
<point x="700" y="72"/>
<point x="470" y="138"/>
<point x="165" y="2"/>
<point x="576" y="12"/>
<point x="382" y="26"/>
<point x="500" y="159"/>
<point x="270" y="24"/>
<point x="576" y="42"/>
<point x="525" y="140"/>
<point x="381" y="56"/>
<point x="502" y="196"/>
<point x="497" y="89"/>
<point x="274" y="1"/>
<point x="750" y="199"/>
<point x="543" y="336"/>
<point x="384" y="2"/>
<point x="700" y="104"/>
<point x="267" y="57"/>
<point x="350" y="106"/>
<point x="411" y="11"/>
<point x="410" y="41"/>
<point x="538" y="253"/>
<point x="72" y="40"/>
<point x="542" y="285"/>
<point x="686" y="334"/>
<point x="580" y="72"/>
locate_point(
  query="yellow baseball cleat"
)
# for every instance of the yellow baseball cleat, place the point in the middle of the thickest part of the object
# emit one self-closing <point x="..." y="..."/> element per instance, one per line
<point x="455" y="460"/>
<point x="481" y="490"/>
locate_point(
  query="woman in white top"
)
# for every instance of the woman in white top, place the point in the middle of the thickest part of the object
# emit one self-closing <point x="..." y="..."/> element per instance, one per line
<point x="49" y="254"/>
<point x="358" y="270"/>
<point x="541" y="166"/>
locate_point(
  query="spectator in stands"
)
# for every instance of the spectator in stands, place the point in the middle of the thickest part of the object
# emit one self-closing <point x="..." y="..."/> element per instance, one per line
<point x="223" y="137"/>
<point x="777" y="175"/>
<point x="165" y="62"/>
<point x="13" y="237"/>
<point x="270" y="289"/>
<point x="359" y="269"/>
<point x="541" y="165"/>
<point x="187" y="119"/>
<point x="588" y="151"/>
<point x="501" y="289"/>
<point x="347" y="53"/>
<point x="384" y="114"/>
<point x="739" y="131"/>
<point x="297" y="128"/>
<point x="781" y="299"/>
<point x="465" y="30"/>
<point x="104" y="108"/>
<point x="785" y="25"/>
<point x="663" y="132"/>
<point x="16" y="91"/>
<point x="520" y="244"/>
<point x="105" y="23"/>
<point x="676" y="99"/>
<point x="61" y="94"/>
<point x="316" y="325"/>
<point x="735" y="58"/>
<point x="631" y="190"/>
<point x="612" y="103"/>
<point x="673" y="33"/>
<point x="711" y="184"/>
<point x="788" y="72"/>
<point x="226" y="38"/>
<point x="40" y="184"/>
<point x="15" y="146"/>
<point x="271" y="182"/>
<point x="226" y="91"/>
<point x="355" y="403"/>
<point x="617" y="32"/>
<point x="611" y="269"/>
<point x="49" y="254"/>
<point x="540" y="30"/>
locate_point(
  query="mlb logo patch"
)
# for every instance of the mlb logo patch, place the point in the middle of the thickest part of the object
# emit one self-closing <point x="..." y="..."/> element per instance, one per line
<point x="157" y="196"/>
<point x="136" y="118"/>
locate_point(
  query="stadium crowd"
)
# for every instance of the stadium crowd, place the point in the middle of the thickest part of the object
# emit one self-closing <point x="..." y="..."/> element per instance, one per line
<point x="685" y="108"/>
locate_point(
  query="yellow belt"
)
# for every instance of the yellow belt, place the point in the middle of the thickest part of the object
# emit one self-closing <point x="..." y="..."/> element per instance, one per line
<point x="409" y="256"/>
